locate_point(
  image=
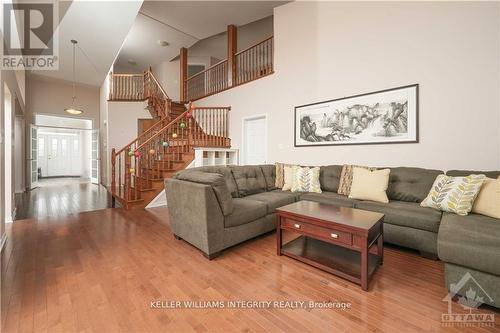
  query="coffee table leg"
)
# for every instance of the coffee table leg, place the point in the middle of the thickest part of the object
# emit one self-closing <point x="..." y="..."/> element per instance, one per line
<point x="364" y="265"/>
<point x="380" y="245"/>
<point x="279" y="235"/>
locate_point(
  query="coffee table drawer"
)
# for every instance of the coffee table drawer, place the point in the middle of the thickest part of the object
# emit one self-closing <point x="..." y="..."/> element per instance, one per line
<point x="319" y="232"/>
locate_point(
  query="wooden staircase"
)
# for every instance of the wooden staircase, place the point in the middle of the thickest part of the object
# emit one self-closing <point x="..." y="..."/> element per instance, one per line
<point x="138" y="169"/>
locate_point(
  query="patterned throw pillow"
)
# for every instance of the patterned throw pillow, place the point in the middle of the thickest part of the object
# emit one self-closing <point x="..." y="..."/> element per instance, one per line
<point x="454" y="194"/>
<point x="345" y="181"/>
<point x="280" y="174"/>
<point x="306" y="179"/>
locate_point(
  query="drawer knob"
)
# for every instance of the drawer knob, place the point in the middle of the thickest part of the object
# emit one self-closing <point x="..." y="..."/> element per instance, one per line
<point x="296" y="225"/>
<point x="334" y="235"/>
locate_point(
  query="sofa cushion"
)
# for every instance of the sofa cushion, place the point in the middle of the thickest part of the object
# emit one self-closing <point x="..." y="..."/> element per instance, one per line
<point x="269" y="172"/>
<point x="294" y="195"/>
<point x="245" y="211"/>
<point x="273" y="200"/>
<point x="410" y="184"/>
<point x="216" y="181"/>
<point x="470" y="241"/>
<point x="406" y="214"/>
<point x="463" y="173"/>
<point x="249" y="179"/>
<point x="329" y="198"/>
<point x="329" y="177"/>
<point x="228" y="176"/>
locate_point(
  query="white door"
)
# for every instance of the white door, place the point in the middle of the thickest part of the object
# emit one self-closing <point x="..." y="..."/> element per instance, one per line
<point x="255" y="140"/>
<point x="33" y="157"/>
<point x="94" y="166"/>
<point x="54" y="160"/>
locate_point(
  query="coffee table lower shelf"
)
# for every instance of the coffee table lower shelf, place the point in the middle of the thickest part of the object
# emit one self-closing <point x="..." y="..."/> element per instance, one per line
<point x="329" y="257"/>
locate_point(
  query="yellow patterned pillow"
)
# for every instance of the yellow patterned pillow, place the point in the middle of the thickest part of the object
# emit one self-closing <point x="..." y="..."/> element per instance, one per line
<point x="306" y="179"/>
<point x="454" y="194"/>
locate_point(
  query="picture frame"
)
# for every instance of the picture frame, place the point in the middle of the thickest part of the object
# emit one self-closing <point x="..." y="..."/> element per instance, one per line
<point x="379" y="117"/>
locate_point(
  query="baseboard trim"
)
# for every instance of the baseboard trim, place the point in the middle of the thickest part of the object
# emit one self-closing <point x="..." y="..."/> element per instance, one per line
<point x="3" y="241"/>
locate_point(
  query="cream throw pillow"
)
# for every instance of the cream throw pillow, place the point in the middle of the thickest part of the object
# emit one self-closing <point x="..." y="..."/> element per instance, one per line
<point x="488" y="200"/>
<point x="287" y="178"/>
<point x="370" y="185"/>
<point x="306" y="179"/>
<point x="454" y="194"/>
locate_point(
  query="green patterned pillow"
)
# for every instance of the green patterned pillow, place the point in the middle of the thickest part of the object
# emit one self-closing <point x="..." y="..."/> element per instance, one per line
<point x="306" y="179"/>
<point x="454" y="194"/>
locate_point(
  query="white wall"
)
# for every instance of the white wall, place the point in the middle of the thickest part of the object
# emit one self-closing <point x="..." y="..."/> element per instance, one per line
<point x="103" y="129"/>
<point x="9" y="174"/>
<point x="51" y="96"/>
<point x="19" y="155"/>
<point x="122" y="127"/>
<point x="327" y="50"/>
<point x="209" y="51"/>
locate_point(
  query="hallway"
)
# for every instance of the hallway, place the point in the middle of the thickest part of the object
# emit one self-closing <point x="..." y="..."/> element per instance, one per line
<point x="56" y="197"/>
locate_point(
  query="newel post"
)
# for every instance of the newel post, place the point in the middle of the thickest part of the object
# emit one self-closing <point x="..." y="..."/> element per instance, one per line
<point x="183" y="70"/>
<point x="232" y="47"/>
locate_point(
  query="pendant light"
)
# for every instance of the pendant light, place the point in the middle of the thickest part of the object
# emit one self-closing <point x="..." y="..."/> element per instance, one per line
<point x="73" y="110"/>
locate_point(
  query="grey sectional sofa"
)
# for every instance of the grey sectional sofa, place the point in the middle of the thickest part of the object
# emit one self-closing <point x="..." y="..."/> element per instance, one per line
<point x="214" y="208"/>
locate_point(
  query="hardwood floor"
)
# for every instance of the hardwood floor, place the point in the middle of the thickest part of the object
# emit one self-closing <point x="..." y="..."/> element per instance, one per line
<point x="99" y="271"/>
<point x="60" y="197"/>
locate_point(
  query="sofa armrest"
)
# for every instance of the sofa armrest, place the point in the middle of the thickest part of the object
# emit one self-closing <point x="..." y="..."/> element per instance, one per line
<point x="216" y="181"/>
<point x="195" y="214"/>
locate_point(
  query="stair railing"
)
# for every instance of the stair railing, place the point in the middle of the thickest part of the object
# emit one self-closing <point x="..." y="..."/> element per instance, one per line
<point x="140" y="87"/>
<point x="135" y="166"/>
<point x="250" y="64"/>
<point x="208" y="81"/>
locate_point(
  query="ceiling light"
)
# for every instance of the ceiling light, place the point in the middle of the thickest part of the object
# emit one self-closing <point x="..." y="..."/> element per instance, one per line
<point x="73" y="110"/>
<point x="162" y="43"/>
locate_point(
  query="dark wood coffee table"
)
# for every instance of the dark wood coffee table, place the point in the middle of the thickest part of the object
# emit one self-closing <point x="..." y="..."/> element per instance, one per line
<point x="343" y="241"/>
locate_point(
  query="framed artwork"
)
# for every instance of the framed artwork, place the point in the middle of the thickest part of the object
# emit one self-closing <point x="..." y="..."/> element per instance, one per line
<point x="386" y="116"/>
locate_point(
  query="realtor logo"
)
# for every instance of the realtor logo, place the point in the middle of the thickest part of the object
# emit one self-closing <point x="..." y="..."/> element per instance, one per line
<point x="29" y="38"/>
<point x="469" y="294"/>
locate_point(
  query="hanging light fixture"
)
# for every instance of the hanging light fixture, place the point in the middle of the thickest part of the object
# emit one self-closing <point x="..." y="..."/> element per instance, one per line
<point x="73" y="110"/>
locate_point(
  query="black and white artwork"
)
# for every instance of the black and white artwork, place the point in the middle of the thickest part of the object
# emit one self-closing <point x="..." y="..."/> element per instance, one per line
<point x="387" y="116"/>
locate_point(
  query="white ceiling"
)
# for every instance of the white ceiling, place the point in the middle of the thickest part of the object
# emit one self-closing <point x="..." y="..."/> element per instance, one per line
<point x="181" y="24"/>
<point x="100" y="28"/>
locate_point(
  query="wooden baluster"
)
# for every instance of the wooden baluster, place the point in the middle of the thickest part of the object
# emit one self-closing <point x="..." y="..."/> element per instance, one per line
<point x="128" y="163"/>
<point x="219" y="136"/>
<point x="159" y="155"/>
<point x="120" y="174"/>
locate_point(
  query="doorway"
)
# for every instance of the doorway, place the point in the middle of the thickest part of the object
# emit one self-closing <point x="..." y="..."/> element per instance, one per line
<point x="63" y="147"/>
<point x="255" y="140"/>
<point x="63" y="168"/>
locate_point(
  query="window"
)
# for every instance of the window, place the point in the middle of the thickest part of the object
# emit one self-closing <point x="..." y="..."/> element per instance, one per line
<point x="41" y="147"/>
<point x="76" y="145"/>
<point x="64" y="147"/>
<point x="53" y="150"/>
